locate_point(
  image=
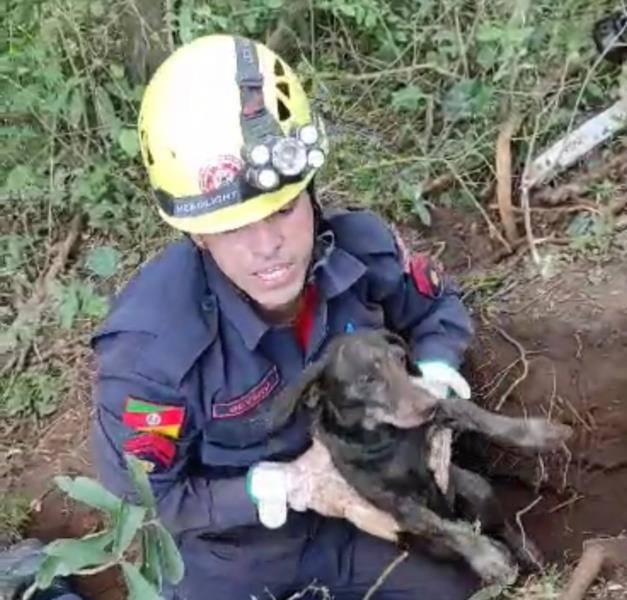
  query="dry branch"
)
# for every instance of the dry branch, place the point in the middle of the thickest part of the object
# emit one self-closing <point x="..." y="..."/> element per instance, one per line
<point x="504" y="176"/>
<point x="29" y="314"/>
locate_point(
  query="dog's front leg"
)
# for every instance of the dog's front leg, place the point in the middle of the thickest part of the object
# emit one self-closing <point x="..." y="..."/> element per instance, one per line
<point x="477" y="501"/>
<point x="491" y="561"/>
<point x="533" y="433"/>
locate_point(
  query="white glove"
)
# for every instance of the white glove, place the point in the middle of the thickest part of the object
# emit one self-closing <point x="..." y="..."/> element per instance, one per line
<point x="311" y="482"/>
<point x="441" y="379"/>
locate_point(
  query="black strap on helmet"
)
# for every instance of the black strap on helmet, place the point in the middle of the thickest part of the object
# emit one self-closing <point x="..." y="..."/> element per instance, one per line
<point x="256" y="121"/>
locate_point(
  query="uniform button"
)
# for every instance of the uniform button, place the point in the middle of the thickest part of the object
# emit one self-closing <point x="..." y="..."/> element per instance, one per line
<point x="207" y="304"/>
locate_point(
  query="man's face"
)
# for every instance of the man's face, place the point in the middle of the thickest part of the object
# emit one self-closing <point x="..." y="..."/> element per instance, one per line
<point x="268" y="259"/>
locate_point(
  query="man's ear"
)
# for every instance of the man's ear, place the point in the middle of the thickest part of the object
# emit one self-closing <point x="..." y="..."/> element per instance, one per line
<point x="198" y="240"/>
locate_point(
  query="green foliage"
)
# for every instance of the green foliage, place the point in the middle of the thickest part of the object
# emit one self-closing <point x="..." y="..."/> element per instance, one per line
<point x="591" y="234"/>
<point x="77" y="299"/>
<point x="90" y="492"/>
<point x="125" y="525"/>
<point x="410" y="98"/>
<point x="29" y="395"/>
<point x="103" y="261"/>
<point x="14" y="513"/>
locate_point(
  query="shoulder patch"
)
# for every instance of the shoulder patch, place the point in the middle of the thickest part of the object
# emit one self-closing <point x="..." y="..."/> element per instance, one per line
<point x="163" y="419"/>
<point x="427" y="275"/>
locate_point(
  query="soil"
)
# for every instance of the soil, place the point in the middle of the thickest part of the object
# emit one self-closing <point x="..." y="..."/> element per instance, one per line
<point x="574" y="328"/>
<point x="571" y="323"/>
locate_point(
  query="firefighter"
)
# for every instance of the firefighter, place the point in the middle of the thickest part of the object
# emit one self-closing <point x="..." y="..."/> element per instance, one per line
<point x="200" y="342"/>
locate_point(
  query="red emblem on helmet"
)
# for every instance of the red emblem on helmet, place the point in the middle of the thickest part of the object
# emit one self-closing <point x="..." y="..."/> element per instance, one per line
<point x="223" y="171"/>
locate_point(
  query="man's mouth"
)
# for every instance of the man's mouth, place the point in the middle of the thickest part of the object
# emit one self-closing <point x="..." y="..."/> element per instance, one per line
<point x="276" y="274"/>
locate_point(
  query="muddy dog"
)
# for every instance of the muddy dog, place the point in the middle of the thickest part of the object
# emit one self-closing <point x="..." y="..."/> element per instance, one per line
<point x="390" y="439"/>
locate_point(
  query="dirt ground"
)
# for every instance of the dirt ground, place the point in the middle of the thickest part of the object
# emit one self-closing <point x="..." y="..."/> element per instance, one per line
<point x="553" y="345"/>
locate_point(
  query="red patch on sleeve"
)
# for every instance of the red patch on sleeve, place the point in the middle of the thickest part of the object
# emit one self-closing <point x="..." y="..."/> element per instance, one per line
<point x="427" y="276"/>
<point x="152" y="447"/>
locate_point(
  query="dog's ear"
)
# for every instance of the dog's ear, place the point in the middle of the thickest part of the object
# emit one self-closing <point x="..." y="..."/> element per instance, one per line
<point x="396" y="340"/>
<point x="304" y="391"/>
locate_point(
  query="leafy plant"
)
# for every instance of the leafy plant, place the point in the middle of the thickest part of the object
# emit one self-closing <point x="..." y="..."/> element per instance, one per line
<point x="126" y="526"/>
<point x="29" y="394"/>
<point x="79" y="299"/>
<point x="14" y="511"/>
<point x="103" y="261"/>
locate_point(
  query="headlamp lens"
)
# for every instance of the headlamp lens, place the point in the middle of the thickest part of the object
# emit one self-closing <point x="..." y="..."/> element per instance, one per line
<point x="308" y="134"/>
<point x="289" y="156"/>
<point x="267" y="179"/>
<point x="260" y="155"/>
<point x="315" y="158"/>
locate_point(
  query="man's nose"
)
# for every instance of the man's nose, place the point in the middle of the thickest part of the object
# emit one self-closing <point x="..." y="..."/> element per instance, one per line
<point x="265" y="238"/>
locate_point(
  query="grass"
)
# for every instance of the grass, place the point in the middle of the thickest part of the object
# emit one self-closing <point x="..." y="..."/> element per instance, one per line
<point x="14" y="513"/>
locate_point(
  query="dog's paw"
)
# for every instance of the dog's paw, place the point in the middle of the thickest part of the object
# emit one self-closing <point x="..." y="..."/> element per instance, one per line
<point x="540" y="434"/>
<point x="493" y="562"/>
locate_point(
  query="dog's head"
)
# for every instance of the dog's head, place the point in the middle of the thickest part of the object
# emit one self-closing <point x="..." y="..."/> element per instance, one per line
<point x="362" y="380"/>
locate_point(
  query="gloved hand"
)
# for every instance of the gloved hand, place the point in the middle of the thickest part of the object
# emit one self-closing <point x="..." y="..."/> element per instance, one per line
<point x="311" y="482"/>
<point x="441" y="379"/>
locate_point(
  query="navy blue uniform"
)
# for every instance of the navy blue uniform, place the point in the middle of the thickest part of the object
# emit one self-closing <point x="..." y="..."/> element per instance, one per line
<point x="187" y="373"/>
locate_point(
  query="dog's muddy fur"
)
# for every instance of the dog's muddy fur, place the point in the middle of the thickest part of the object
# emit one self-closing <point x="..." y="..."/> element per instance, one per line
<point x="370" y="410"/>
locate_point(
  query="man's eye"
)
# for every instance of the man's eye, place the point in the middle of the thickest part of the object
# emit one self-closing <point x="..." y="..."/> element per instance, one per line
<point x="286" y="210"/>
<point x="367" y="378"/>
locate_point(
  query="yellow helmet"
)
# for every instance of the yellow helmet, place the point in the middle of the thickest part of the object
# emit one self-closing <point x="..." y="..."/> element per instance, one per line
<point x="227" y="135"/>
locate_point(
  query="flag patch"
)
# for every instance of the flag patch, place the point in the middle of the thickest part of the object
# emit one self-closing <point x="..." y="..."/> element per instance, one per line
<point x="154" y="418"/>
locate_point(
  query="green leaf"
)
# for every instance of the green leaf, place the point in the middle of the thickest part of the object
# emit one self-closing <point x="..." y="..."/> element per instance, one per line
<point x="130" y="519"/>
<point x="106" y="111"/>
<point x="69" y="305"/>
<point x="76" y="108"/>
<point x="151" y="561"/>
<point x="19" y="178"/>
<point x="93" y="305"/>
<point x="173" y="566"/>
<point x="137" y="586"/>
<point x="410" y="98"/>
<point x="89" y="491"/>
<point x="103" y="261"/>
<point x="77" y="554"/>
<point x="141" y="483"/>
<point x="129" y="142"/>
<point x="467" y="98"/>
<point x="50" y="568"/>
<point x="96" y="8"/>
<point x="421" y="210"/>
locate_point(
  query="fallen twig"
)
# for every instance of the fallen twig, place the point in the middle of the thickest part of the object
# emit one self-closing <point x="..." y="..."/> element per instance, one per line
<point x="386" y="573"/>
<point x="524" y="203"/>
<point x="30" y="312"/>
<point x="557" y="209"/>
<point x="393" y="72"/>
<point x="523" y="533"/>
<point x="492" y="228"/>
<point x="574" y="498"/>
<point x="504" y="176"/>
<point x="525" y="367"/>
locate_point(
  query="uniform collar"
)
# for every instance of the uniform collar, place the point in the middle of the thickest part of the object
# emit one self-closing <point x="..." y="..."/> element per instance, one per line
<point x="334" y="272"/>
